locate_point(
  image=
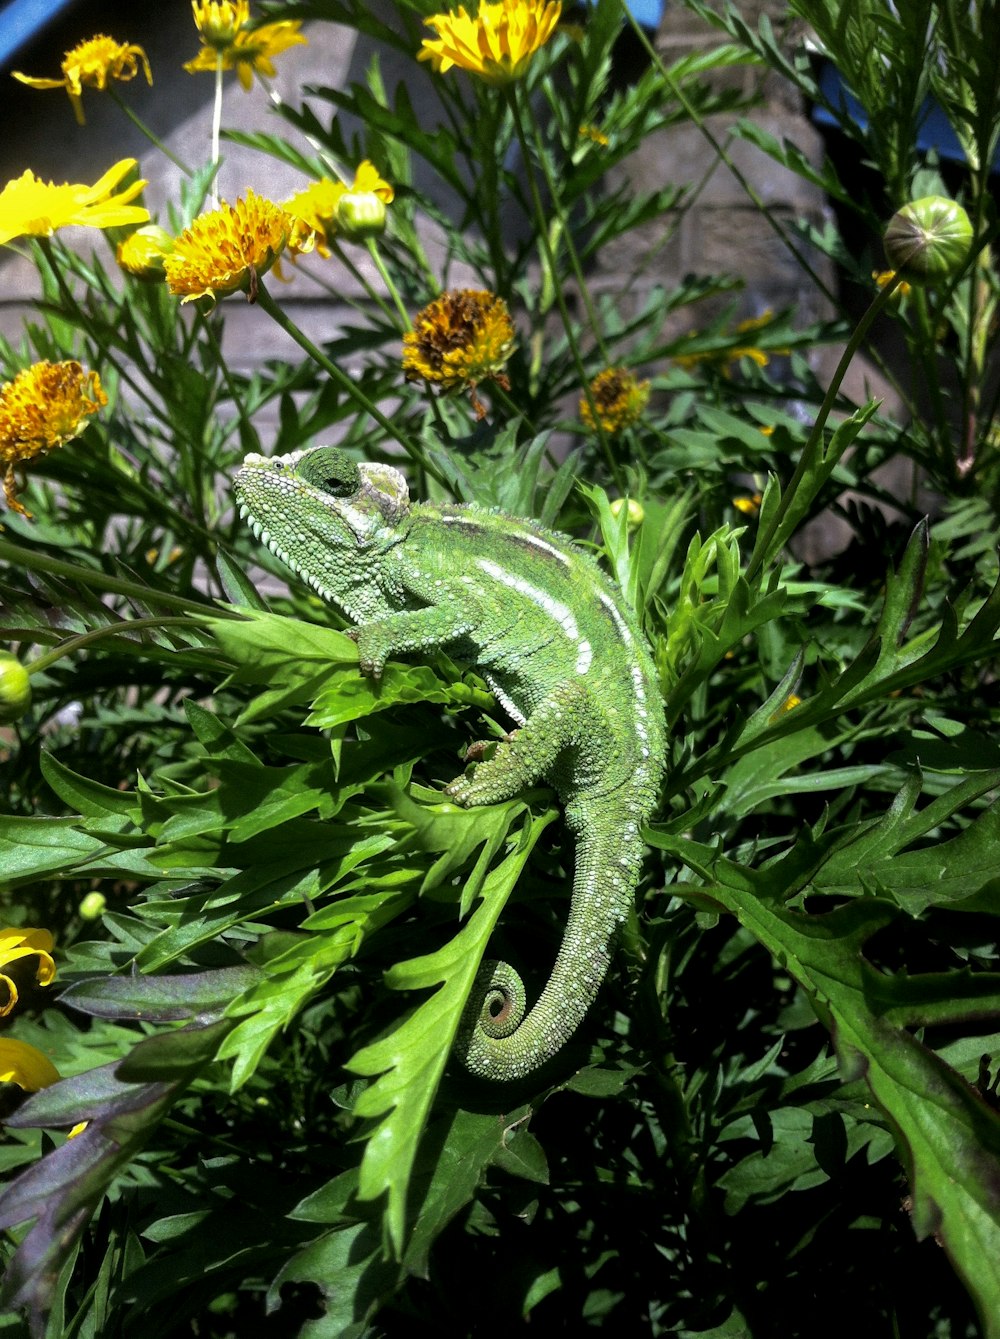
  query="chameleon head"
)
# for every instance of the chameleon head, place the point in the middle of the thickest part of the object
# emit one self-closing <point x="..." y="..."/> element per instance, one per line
<point x="324" y="515"/>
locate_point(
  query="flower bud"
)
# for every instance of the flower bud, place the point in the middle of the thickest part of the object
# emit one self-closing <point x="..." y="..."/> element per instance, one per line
<point x="636" y="514"/>
<point x="218" y="21"/>
<point x="141" y="253"/>
<point x="929" y="240"/>
<point x="15" y="688"/>
<point x="92" y="906"/>
<point x="360" y="214"/>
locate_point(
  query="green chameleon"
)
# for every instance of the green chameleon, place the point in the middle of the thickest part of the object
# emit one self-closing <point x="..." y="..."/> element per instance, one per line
<point x="561" y="653"/>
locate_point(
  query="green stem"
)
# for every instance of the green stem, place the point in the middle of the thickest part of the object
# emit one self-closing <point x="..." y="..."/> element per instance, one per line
<point x="153" y="138"/>
<point x="216" y="129"/>
<point x="362" y="281"/>
<point x="814" y="442"/>
<point x="83" y="639"/>
<point x="562" y="231"/>
<point x="799" y="256"/>
<point x="346" y="384"/>
<point x="494" y="389"/>
<point x="30" y="560"/>
<point x="379" y="264"/>
<point x="550" y="261"/>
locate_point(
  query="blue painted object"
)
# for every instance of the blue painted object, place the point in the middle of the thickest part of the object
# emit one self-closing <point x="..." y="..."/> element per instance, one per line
<point x="20" y="20"/>
<point x="647" y="13"/>
<point x="935" y="130"/>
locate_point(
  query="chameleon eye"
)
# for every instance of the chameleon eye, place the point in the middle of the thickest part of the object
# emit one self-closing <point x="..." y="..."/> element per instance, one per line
<point x="330" y="469"/>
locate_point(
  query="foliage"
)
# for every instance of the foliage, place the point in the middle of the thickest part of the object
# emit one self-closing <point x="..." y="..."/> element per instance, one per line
<point x="798" y="1042"/>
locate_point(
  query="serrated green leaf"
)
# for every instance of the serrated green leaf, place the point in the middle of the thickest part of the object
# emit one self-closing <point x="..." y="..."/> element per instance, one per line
<point x="410" y="1060"/>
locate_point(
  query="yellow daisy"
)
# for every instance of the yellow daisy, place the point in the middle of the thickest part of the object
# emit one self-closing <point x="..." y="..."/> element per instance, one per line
<point x="228" y="250"/>
<point x="496" y="43"/>
<point x="460" y="339"/>
<point x="218" y="21"/>
<point x="91" y="64"/>
<point x="16" y="945"/>
<point x="248" y="51"/>
<point x="619" y="399"/>
<point x="313" y="214"/>
<point x="45" y="406"/>
<point x="314" y="211"/>
<point x="30" y="207"/>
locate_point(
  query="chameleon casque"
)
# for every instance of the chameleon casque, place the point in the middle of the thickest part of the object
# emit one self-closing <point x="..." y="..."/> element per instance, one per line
<point x="562" y="654"/>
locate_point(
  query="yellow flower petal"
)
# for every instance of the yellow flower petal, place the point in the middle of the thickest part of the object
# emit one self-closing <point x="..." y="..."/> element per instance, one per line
<point x="497" y="43"/>
<point x="368" y="181"/>
<point x="30" y="207"/>
<point x="44" y="407"/>
<point x="218" y="21"/>
<point x="227" y="250"/>
<point x="463" y="337"/>
<point x="91" y="64"/>
<point x="24" y="1065"/>
<point x="247" y="51"/>
<point x="313" y="214"/>
<point x="618" y="398"/>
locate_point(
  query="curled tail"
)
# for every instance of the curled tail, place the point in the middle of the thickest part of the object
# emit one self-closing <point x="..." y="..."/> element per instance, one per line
<point x="498" y="1040"/>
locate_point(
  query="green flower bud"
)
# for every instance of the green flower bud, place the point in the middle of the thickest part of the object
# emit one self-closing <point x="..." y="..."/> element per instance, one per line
<point x="929" y="240"/>
<point x="15" y="688"/>
<point x="141" y="253"/>
<point x="636" y="514"/>
<point x="92" y="907"/>
<point x="360" y="214"/>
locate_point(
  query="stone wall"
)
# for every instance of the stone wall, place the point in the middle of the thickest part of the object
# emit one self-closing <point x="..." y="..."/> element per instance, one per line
<point x="721" y="230"/>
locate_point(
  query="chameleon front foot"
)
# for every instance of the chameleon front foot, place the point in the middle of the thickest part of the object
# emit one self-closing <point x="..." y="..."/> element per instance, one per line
<point x="477" y="749"/>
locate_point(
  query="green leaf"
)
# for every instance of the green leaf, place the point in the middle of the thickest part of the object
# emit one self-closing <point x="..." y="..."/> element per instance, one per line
<point x="85" y="795"/>
<point x="411" y="1058"/>
<point x="949" y="1136"/>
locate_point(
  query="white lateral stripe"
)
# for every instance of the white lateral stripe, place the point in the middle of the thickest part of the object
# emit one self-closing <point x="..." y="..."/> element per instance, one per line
<point x="535" y="541"/>
<point x="562" y="614"/>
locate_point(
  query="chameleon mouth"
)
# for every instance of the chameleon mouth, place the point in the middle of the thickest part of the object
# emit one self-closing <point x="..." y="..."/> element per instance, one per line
<point x="261" y="532"/>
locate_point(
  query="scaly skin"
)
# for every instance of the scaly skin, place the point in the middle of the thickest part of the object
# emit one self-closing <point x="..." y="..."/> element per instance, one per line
<point x="564" y="657"/>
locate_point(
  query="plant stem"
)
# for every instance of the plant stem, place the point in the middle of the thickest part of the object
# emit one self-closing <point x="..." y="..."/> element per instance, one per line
<point x="30" y="560"/>
<point x="216" y="129"/>
<point x="550" y="264"/>
<point x="379" y="264"/>
<point x="346" y="384"/>
<point x="153" y="138"/>
<point x="83" y="639"/>
<point x="814" y="442"/>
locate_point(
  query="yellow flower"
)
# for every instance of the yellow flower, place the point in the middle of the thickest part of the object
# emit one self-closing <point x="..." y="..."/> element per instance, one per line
<point x="461" y="338"/>
<point x="45" y="406"/>
<point x="30" y="207"/>
<point x="732" y="355"/>
<point x="594" y="135"/>
<point x="141" y="253"/>
<point x="314" y="210"/>
<point x="749" y="506"/>
<point x="227" y="250"/>
<point x="618" y="397"/>
<point x="497" y="43"/>
<point x="218" y="21"/>
<point x="227" y="40"/>
<point x="313" y="214"/>
<point x="19" y="944"/>
<point x="884" y="277"/>
<point x="24" y="1065"/>
<point x="91" y="64"/>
